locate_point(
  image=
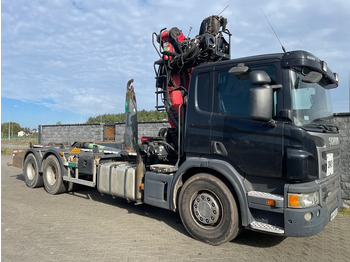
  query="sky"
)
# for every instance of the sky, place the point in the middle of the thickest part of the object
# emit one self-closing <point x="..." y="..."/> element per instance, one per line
<point x="66" y="60"/>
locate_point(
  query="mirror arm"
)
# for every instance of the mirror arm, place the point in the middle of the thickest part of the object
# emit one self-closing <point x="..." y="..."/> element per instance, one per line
<point x="276" y="87"/>
<point x="272" y="123"/>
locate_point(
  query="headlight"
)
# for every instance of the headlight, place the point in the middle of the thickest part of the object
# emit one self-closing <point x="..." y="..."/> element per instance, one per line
<point x="303" y="200"/>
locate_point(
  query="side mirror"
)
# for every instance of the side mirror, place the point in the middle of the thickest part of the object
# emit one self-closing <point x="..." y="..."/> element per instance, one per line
<point x="312" y="77"/>
<point x="259" y="77"/>
<point x="239" y="69"/>
<point x="261" y="103"/>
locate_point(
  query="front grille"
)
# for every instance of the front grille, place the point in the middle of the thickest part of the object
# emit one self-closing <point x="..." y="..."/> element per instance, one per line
<point x="323" y="161"/>
<point x="336" y="153"/>
<point x="327" y="144"/>
<point x="329" y="192"/>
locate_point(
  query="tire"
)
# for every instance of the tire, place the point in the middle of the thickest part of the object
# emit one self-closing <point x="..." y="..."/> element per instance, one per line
<point x="208" y="210"/>
<point x="52" y="176"/>
<point x="31" y="173"/>
<point x="71" y="187"/>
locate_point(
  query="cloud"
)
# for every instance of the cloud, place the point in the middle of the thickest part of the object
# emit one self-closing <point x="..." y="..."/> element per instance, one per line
<point x="80" y="54"/>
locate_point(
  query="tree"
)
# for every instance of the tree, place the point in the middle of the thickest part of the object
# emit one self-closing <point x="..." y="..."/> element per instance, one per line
<point x="14" y="128"/>
<point x="142" y="116"/>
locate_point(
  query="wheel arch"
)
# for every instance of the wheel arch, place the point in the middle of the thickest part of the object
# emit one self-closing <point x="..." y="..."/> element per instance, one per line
<point x="218" y="168"/>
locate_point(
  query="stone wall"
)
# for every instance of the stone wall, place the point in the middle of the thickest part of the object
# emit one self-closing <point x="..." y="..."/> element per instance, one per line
<point x="342" y="120"/>
<point x="93" y="132"/>
<point x="70" y="133"/>
<point x="144" y="129"/>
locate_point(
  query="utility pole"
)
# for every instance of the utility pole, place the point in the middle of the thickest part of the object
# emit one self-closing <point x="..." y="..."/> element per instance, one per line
<point x="15" y="106"/>
<point x="9" y="127"/>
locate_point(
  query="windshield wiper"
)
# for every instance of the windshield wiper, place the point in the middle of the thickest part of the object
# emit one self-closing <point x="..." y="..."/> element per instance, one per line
<point x="324" y="123"/>
<point x="316" y="126"/>
<point x="326" y="128"/>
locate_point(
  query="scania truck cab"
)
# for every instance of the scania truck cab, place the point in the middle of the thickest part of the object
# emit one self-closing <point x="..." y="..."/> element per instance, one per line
<point x="264" y="126"/>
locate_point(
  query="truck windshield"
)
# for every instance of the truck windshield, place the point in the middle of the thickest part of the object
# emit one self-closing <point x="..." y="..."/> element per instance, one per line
<point x="311" y="102"/>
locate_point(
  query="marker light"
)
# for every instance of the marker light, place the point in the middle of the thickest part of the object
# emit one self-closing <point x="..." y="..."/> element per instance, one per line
<point x="145" y="139"/>
<point x="336" y="77"/>
<point x="271" y="202"/>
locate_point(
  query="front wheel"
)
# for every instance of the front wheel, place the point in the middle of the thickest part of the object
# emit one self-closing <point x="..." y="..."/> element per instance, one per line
<point x="208" y="210"/>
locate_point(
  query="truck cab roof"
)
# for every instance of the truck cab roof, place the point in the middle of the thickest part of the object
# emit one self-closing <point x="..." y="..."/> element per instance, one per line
<point x="298" y="58"/>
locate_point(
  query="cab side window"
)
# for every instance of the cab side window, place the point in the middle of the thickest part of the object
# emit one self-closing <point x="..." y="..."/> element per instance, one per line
<point x="204" y="95"/>
<point x="233" y="91"/>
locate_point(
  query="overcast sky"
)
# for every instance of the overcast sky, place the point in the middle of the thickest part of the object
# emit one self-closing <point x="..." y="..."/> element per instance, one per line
<point x="66" y="60"/>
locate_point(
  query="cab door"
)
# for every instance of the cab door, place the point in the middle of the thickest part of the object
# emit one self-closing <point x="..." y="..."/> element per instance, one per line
<point x="254" y="148"/>
<point x="198" y="113"/>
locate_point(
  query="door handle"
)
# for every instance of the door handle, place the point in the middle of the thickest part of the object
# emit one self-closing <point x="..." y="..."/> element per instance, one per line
<point x="219" y="148"/>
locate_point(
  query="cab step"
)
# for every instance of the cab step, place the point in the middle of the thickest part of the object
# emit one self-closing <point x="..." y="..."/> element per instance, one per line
<point x="259" y="226"/>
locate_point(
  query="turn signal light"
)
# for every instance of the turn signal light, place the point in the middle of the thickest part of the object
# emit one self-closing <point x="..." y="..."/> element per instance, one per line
<point x="271" y="202"/>
<point x="293" y="201"/>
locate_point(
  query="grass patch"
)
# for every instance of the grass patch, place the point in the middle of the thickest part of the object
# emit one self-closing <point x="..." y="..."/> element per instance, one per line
<point x="6" y="151"/>
<point x="19" y="141"/>
<point x="345" y="211"/>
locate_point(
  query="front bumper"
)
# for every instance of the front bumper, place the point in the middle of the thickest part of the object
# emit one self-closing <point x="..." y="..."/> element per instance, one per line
<point x="298" y="222"/>
<point x="295" y="223"/>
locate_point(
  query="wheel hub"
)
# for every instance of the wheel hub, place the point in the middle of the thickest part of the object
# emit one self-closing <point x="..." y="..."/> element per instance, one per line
<point x="51" y="175"/>
<point x="206" y="209"/>
<point x="30" y="171"/>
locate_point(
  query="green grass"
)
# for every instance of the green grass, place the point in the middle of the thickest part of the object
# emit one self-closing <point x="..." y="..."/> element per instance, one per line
<point x="6" y="151"/>
<point x="16" y="141"/>
<point x="345" y="211"/>
<point x="19" y="141"/>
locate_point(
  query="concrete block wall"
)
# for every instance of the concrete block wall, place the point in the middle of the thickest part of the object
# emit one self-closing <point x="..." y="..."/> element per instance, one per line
<point x="144" y="129"/>
<point x="94" y="132"/>
<point x="71" y="133"/>
<point x="342" y="121"/>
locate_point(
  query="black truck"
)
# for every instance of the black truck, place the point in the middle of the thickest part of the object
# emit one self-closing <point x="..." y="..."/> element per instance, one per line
<point x="251" y="146"/>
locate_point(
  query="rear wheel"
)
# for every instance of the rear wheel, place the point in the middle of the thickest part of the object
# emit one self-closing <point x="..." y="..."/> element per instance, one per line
<point x="208" y="210"/>
<point x="31" y="173"/>
<point x="52" y="174"/>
